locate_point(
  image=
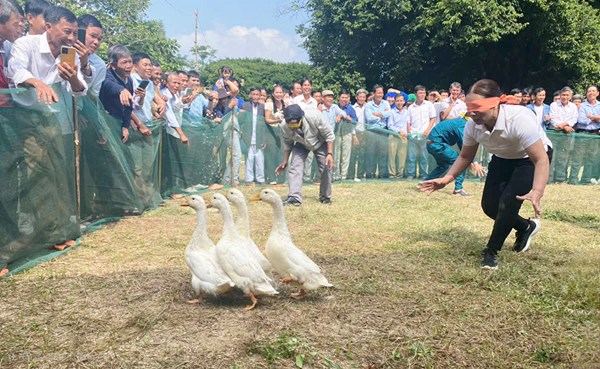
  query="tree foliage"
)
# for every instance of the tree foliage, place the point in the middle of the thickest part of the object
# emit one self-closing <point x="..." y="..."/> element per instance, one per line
<point x="124" y="22"/>
<point x="402" y="42"/>
<point x="258" y="72"/>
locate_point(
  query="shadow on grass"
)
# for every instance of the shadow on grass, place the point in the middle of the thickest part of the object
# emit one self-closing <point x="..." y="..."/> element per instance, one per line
<point x="582" y="220"/>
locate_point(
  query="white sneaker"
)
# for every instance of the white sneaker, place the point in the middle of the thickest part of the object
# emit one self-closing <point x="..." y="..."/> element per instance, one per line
<point x="356" y="179"/>
<point x="595" y="181"/>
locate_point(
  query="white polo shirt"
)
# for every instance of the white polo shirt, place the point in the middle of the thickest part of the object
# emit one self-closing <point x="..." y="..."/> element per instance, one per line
<point x="420" y="116"/>
<point x="310" y="104"/>
<point x="459" y="108"/>
<point x="516" y="129"/>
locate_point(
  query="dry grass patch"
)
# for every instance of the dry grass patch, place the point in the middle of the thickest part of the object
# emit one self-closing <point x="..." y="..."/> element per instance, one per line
<point x="409" y="291"/>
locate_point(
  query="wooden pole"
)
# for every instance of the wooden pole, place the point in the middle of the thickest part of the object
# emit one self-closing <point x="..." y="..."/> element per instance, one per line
<point x="77" y="154"/>
<point x="232" y="143"/>
<point x="196" y="39"/>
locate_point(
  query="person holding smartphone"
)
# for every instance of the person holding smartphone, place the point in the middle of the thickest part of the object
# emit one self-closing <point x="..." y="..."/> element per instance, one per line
<point x="89" y="39"/>
<point x="29" y="64"/>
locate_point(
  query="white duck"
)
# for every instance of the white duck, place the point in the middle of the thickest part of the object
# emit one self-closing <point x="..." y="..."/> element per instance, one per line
<point x="287" y="259"/>
<point x="242" y="223"/>
<point x="201" y="257"/>
<point x="235" y="258"/>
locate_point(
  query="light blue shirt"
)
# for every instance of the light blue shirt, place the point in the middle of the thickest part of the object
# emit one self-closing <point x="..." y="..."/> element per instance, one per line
<point x="330" y="114"/>
<point x="398" y="121"/>
<point x="144" y="112"/>
<point x="584" y="122"/>
<point x="373" y="121"/>
<point x="198" y="105"/>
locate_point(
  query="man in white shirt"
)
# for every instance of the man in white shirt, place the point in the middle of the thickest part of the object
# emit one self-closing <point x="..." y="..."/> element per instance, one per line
<point x="174" y="105"/>
<point x="421" y="120"/>
<point x="11" y="28"/>
<point x="453" y="107"/>
<point x="35" y="60"/>
<point x="356" y="169"/>
<point x="306" y="101"/>
<point x="253" y="136"/>
<point x="563" y="117"/>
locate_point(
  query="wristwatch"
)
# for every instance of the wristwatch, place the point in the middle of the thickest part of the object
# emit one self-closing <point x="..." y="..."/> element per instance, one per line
<point x="330" y="153"/>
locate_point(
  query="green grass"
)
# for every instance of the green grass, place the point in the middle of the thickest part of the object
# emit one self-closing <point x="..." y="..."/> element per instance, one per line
<point x="408" y="293"/>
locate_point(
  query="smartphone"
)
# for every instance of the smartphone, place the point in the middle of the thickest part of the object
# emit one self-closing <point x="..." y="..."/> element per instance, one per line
<point x="143" y="84"/>
<point x="67" y="55"/>
<point x="188" y="91"/>
<point x="81" y="35"/>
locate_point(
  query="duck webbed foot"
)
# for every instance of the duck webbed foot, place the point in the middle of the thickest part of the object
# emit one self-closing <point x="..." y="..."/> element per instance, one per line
<point x="254" y="301"/>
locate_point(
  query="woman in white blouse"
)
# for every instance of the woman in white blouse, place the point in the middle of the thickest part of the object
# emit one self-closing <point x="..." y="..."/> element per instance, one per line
<point x="273" y="117"/>
<point x="518" y="170"/>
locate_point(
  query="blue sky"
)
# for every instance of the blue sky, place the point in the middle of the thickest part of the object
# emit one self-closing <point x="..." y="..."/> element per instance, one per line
<point x="235" y="28"/>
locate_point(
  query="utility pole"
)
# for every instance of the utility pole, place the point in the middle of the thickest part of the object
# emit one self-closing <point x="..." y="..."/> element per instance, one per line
<point x="196" y="39"/>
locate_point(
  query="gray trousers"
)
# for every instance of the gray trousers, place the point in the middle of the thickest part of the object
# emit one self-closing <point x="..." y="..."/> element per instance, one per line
<point x="296" y="172"/>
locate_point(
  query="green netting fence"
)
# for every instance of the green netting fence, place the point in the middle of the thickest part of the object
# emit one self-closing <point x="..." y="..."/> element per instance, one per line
<point x="64" y="170"/>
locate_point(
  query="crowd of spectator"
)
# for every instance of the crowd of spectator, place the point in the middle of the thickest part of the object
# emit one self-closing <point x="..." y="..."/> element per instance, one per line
<point x="383" y="134"/>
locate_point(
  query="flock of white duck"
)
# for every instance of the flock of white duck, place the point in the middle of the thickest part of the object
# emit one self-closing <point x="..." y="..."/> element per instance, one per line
<point x="237" y="262"/>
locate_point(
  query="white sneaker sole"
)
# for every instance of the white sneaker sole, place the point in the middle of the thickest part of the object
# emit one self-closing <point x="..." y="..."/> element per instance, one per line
<point x="538" y="226"/>
<point x="487" y="267"/>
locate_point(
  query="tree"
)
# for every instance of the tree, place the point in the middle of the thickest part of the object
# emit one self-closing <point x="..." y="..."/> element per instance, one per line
<point x="125" y="22"/>
<point x="258" y="72"/>
<point x="206" y="54"/>
<point x="403" y="43"/>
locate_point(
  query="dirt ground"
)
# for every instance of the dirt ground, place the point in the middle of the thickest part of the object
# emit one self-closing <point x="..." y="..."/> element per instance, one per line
<point x="408" y="292"/>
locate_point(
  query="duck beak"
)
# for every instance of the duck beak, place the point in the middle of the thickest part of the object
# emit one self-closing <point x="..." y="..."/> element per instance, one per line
<point x="254" y="197"/>
<point x="184" y="202"/>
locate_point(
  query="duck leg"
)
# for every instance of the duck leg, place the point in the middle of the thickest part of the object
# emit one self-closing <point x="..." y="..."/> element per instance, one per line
<point x="198" y="300"/>
<point x="254" y="301"/>
<point x="287" y="279"/>
<point x="298" y="295"/>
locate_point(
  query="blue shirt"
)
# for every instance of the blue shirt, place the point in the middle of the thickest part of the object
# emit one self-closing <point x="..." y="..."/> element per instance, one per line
<point x="143" y="112"/>
<point x="584" y="122"/>
<point x="544" y="113"/>
<point x="198" y="105"/>
<point x="110" y="96"/>
<point x="349" y="110"/>
<point x="398" y="120"/>
<point x="450" y="132"/>
<point x="372" y="121"/>
<point x="330" y="115"/>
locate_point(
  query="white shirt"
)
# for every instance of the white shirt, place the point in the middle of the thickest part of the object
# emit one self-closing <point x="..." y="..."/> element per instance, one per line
<point x="254" y="123"/>
<point x="439" y="108"/>
<point x="360" y="114"/>
<point x="144" y="111"/>
<point x="419" y="116"/>
<point x="560" y="113"/>
<point x="31" y="58"/>
<point x="5" y="51"/>
<point x="516" y="129"/>
<point x="310" y="104"/>
<point x="539" y="113"/>
<point x="98" y="67"/>
<point x="171" y="112"/>
<point x="459" y="108"/>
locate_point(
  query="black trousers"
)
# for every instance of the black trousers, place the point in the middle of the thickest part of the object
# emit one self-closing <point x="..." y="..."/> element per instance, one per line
<point x="506" y="179"/>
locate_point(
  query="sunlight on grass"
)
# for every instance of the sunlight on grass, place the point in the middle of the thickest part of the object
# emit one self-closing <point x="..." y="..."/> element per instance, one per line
<point x="409" y="292"/>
